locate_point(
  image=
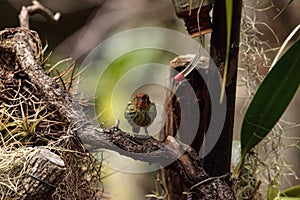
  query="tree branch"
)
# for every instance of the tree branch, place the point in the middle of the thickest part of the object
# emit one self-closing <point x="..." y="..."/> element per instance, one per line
<point x="37" y="7"/>
<point x="19" y="50"/>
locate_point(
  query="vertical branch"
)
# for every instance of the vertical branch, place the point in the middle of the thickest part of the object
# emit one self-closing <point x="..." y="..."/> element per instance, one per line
<point x="174" y="184"/>
<point x="217" y="162"/>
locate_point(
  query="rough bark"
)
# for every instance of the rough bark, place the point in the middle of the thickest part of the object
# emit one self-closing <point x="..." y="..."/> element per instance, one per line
<point x="217" y="162"/>
<point x="174" y="183"/>
<point x="21" y="48"/>
<point x="44" y="171"/>
<point x="36" y="175"/>
<point x="33" y="9"/>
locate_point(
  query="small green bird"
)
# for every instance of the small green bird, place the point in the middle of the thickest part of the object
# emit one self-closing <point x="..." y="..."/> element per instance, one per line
<point x="140" y="112"/>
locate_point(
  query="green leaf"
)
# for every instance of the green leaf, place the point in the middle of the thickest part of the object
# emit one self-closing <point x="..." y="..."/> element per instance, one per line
<point x="273" y="190"/>
<point x="291" y="192"/>
<point x="271" y="99"/>
<point x="229" y="8"/>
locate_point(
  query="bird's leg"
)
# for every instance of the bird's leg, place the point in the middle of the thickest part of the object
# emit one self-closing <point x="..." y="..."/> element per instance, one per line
<point x="136" y="129"/>
<point x="146" y="131"/>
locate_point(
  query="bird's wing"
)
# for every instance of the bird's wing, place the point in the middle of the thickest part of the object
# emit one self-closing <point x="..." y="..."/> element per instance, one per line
<point x="152" y="112"/>
<point x="130" y="113"/>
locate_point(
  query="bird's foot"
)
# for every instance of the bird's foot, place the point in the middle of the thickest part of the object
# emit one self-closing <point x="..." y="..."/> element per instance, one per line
<point x="131" y="134"/>
<point x="146" y="132"/>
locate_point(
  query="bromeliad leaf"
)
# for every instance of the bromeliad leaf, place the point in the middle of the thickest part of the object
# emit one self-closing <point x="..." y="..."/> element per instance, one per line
<point x="271" y="99"/>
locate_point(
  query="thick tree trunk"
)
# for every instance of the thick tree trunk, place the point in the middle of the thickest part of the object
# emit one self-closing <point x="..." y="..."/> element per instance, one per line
<point x="44" y="171"/>
<point x="217" y="162"/>
<point x="187" y="132"/>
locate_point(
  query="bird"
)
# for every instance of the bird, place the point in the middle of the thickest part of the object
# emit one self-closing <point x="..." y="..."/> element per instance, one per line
<point x="140" y="112"/>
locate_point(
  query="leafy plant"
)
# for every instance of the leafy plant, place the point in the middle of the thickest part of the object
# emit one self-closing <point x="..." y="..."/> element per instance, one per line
<point x="292" y="193"/>
<point x="271" y="100"/>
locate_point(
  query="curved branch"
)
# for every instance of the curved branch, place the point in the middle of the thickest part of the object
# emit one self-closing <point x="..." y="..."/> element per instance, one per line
<point x="18" y="48"/>
<point x="37" y="7"/>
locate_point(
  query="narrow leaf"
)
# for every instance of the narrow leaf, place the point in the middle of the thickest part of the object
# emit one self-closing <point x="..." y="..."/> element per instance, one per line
<point x="229" y="8"/>
<point x="271" y="99"/>
<point x="291" y="192"/>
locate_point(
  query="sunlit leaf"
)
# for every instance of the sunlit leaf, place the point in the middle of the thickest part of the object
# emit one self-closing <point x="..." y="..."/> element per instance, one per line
<point x="273" y="190"/>
<point x="235" y="153"/>
<point x="229" y="8"/>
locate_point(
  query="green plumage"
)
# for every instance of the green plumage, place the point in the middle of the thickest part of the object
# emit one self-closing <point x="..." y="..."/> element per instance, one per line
<point x="140" y="113"/>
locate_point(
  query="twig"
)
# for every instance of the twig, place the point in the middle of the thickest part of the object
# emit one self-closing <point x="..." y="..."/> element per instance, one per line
<point x="37" y="7"/>
<point x="209" y="179"/>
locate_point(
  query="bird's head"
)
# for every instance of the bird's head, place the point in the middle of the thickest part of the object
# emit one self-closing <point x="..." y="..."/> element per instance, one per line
<point x="142" y="101"/>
